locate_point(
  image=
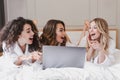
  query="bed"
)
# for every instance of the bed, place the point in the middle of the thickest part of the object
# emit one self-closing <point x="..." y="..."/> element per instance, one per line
<point x="89" y="72"/>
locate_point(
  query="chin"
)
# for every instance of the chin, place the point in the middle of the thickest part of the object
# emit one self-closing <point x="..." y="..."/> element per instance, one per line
<point x="30" y="42"/>
<point x="93" y="38"/>
<point x="60" y="41"/>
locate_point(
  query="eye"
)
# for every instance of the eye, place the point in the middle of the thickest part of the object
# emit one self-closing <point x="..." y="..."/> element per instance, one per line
<point x="28" y="31"/>
<point x="95" y="27"/>
<point x="61" y="30"/>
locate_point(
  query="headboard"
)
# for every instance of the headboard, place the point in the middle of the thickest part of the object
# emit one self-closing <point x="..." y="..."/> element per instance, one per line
<point x="74" y="35"/>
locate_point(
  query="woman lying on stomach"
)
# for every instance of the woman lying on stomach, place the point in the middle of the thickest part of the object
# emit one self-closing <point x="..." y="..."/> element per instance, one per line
<point x="54" y="34"/>
<point x="20" y="41"/>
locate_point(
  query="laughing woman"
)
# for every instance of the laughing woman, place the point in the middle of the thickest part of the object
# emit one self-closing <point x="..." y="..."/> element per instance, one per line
<point x="100" y="46"/>
<point x="20" y="42"/>
<point x="54" y="33"/>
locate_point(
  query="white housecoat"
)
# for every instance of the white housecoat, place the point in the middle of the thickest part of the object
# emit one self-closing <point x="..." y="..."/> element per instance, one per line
<point x="109" y="59"/>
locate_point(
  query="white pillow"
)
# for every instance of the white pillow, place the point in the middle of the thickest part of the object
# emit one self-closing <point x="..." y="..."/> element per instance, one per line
<point x="117" y="56"/>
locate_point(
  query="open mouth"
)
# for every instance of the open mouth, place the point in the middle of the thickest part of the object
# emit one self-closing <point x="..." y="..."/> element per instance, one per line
<point x="92" y="34"/>
<point x="30" y="38"/>
<point x="62" y="37"/>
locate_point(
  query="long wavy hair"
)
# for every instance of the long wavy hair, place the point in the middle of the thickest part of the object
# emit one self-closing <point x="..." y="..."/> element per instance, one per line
<point x="48" y="37"/>
<point x="11" y="31"/>
<point x="102" y="27"/>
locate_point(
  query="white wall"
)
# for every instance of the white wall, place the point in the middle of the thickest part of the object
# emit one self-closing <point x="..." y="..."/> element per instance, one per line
<point x="15" y="8"/>
<point x="72" y="12"/>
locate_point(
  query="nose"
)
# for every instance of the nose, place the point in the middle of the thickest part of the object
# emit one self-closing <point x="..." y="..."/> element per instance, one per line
<point x="32" y="33"/>
<point x="64" y="33"/>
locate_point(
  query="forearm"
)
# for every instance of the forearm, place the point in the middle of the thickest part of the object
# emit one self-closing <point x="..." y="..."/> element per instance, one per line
<point x="81" y="36"/>
<point x="89" y="57"/>
<point x="90" y="54"/>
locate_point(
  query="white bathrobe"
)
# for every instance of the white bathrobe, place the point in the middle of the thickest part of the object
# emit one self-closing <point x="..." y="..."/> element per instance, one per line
<point x="11" y="55"/>
<point x="89" y="72"/>
<point x="109" y="59"/>
<point x="8" y="70"/>
<point x="14" y="51"/>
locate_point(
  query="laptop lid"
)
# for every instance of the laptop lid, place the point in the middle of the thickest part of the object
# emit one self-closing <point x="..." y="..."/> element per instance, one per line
<point x="61" y="56"/>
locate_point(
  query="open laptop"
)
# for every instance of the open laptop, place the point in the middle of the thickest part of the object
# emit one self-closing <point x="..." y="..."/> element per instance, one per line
<point x="61" y="56"/>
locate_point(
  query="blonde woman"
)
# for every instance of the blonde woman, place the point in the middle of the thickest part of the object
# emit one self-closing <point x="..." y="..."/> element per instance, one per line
<point x="100" y="45"/>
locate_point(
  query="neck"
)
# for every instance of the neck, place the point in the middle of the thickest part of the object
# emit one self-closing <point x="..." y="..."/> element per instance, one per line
<point x="22" y="46"/>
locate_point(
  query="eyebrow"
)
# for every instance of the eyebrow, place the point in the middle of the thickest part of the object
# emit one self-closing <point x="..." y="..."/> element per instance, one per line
<point x="28" y="29"/>
<point x="61" y="28"/>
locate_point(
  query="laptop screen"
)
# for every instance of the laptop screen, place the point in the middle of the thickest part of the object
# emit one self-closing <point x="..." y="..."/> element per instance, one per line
<point x="61" y="56"/>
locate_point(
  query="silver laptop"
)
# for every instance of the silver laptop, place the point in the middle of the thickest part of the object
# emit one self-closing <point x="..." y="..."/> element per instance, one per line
<point x="61" y="56"/>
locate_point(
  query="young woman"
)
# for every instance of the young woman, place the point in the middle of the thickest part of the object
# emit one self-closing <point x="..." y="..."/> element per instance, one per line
<point x="99" y="44"/>
<point x="20" y="41"/>
<point x="54" y="34"/>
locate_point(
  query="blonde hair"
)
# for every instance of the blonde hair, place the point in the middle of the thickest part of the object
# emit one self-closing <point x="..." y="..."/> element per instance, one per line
<point x="102" y="27"/>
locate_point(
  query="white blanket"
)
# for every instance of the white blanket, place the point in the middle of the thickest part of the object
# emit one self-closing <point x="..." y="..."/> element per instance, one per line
<point x="89" y="72"/>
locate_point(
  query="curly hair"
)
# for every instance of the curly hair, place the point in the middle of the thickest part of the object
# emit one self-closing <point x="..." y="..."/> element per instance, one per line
<point x="11" y="31"/>
<point x="48" y="37"/>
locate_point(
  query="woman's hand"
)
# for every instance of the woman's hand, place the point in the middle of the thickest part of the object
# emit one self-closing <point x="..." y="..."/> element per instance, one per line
<point x="85" y="28"/>
<point x="21" y="59"/>
<point x="86" y="25"/>
<point x="36" y="56"/>
<point x="96" y="45"/>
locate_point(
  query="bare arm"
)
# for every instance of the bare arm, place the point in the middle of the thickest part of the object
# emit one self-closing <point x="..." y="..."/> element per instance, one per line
<point x="86" y="25"/>
<point x="90" y="54"/>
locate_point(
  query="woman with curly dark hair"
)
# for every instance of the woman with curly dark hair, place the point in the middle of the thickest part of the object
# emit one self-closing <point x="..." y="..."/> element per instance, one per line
<point x="20" y="41"/>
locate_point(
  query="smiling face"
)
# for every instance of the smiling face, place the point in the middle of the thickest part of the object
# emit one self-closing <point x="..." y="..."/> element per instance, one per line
<point x="93" y="31"/>
<point x="60" y="33"/>
<point x="26" y="36"/>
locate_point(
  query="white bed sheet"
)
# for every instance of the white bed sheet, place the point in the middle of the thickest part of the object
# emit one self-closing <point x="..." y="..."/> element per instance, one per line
<point x="90" y="72"/>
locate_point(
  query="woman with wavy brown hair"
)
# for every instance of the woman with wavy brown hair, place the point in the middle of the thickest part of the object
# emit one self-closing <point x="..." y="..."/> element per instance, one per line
<point x="54" y="33"/>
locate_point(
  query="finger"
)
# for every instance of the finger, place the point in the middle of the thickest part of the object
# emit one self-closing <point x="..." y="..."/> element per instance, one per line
<point x="40" y="54"/>
<point x="87" y="23"/>
<point x="88" y="39"/>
